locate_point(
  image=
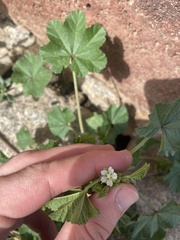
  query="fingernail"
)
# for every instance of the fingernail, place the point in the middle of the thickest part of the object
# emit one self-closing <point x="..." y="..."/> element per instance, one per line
<point x="126" y="197"/>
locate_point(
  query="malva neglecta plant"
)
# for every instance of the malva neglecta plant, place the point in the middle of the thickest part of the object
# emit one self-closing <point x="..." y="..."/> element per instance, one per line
<point x="72" y="45"/>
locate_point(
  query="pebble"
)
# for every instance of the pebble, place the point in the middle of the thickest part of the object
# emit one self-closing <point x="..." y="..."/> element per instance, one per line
<point x="14" y="40"/>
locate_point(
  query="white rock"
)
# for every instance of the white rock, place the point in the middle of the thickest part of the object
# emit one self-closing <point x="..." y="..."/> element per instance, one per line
<point x="29" y="42"/>
<point x="15" y="35"/>
<point x="99" y="93"/>
<point x="3" y="51"/>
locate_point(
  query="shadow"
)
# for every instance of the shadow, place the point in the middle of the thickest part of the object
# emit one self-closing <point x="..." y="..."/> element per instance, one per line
<point x="165" y="90"/>
<point x="116" y="66"/>
<point x="3" y="19"/>
<point x="4" y="16"/>
<point x="8" y="144"/>
<point x="43" y="134"/>
<point x="62" y="83"/>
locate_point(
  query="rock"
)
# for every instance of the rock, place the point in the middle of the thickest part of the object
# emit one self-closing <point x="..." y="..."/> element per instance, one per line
<point x="29" y="113"/>
<point x="99" y="93"/>
<point x="2" y="38"/>
<point x="14" y="40"/>
<point x="142" y="46"/>
<point x="5" y="64"/>
<point x="16" y="35"/>
<point x="28" y="42"/>
<point x="161" y="194"/>
<point x="3" y="51"/>
<point x="15" y="53"/>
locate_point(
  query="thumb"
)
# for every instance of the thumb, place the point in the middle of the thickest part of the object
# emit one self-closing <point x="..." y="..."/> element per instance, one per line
<point x="111" y="208"/>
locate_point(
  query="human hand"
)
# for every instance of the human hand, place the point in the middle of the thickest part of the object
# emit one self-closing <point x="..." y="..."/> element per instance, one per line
<point x="31" y="179"/>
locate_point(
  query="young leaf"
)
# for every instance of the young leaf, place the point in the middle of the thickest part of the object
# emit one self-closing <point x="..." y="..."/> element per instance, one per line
<point x="24" y="139"/>
<point x="85" y="138"/>
<point x="59" y="120"/>
<point x="173" y="178"/>
<point x="103" y="192"/>
<point x="95" y="121"/>
<point x="118" y="118"/>
<point x="4" y="87"/>
<point x="136" y="175"/>
<point x="149" y="226"/>
<point x="71" y="43"/>
<point x="32" y="74"/>
<point x="48" y="145"/>
<point x="164" y="117"/>
<point x="28" y="234"/>
<point x="109" y="124"/>
<point x="3" y="157"/>
<point x="75" y="208"/>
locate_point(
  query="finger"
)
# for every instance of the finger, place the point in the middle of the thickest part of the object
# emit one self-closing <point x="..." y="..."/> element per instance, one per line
<point x="7" y="224"/>
<point x="41" y="223"/>
<point x="38" y="221"/>
<point x="37" y="184"/>
<point x="28" y="158"/>
<point x="111" y="208"/>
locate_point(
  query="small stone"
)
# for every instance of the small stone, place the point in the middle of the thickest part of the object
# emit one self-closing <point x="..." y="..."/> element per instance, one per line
<point x="5" y="64"/>
<point x="15" y="52"/>
<point x="3" y="51"/>
<point x="29" y="42"/>
<point x="99" y="93"/>
<point x="15" y="35"/>
<point x="2" y="36"/>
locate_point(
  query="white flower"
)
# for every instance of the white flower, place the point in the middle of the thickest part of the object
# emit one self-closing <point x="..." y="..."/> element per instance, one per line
<point x="108" y="176"/>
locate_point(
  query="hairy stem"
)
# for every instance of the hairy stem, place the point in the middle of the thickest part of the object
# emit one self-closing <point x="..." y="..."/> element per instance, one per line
<point x="77" y="103"/>
<point x="91" y="184"/>
<point x="138" y="146"/>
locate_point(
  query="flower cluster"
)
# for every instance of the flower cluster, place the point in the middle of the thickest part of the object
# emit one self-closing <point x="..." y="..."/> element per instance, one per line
<point x="108" y="176"/>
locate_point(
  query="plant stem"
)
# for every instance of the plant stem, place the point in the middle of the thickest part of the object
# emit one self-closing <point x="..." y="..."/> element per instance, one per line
<point x="139" y="145"/>
<point x="72" y="129"/>
<point x="91" y="184"/>
<point x="77" y="103"/>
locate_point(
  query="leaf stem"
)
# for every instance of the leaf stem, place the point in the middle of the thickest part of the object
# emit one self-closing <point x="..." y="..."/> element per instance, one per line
<point x="72" y="129"/>
<point x="77" y="103"/>
<point x="91" y="184"/>
<point x="139" y="145"/>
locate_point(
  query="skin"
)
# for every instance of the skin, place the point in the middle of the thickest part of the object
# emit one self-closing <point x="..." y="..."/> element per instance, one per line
<point x="32" y="178"/>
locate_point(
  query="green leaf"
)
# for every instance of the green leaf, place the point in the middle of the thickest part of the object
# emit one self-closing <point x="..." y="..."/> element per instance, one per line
<point x="72" y="44"/>
<point x="4" y="87"/>
<point x="173" y="178"/>
<point x="136" y="175"/>
<point x="48" y="145"/>
<point x="3" y="157"/>
<point x="32" y="74"/>
<point x="103" y="192"/>
<point x="109" y="124"/>
<point x="164" y="117"/>
<point x="59" y="120"/>
<point x="151" y="226"/>
<point x="121" y="226"/>
<point x="95" y="121"/>
<point x="28" y="234"/>
<point x="118" y="117"/>
<point x="85" y="138"/>
<point x="75" y="208"/>
<point x="24" y="139"/>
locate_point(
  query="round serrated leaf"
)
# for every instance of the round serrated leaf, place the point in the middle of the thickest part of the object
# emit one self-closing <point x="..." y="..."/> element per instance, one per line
<point x="72" y="44"/>
<point x="58" y="121"/>
<point x="31" y="72"/>
<point x="165" y="117"/>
